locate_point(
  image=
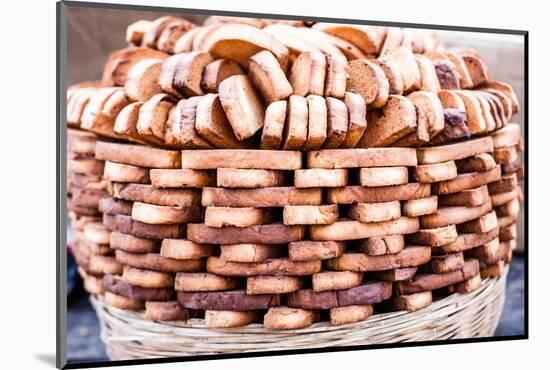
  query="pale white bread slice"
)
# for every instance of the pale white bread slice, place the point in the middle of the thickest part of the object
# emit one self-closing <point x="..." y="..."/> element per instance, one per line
<point x="392" y="74"/>
<point x="460" y="66"/>
<point x="367" y="79"/>
<point x="362" y="157"/>
<point x="239" y="42"/>
<point x="507" y="90"/>
<point x="100" y="113"/>
<point x="213" y="125"/>
<point x="476" y="68"/>
<point x="337" y="123"/>
<point x="267" y="76"/>
<point x="136" y="30"/>
<point x="295" y="129"/>
<point x="428" y="76"/>
<point x="497" y="109"/>
<point x="393" y="39"/>
<point x="507" y="136"/>
<point x="317" y="122"/>
<point x="490" y="124"/>
<point x="420" y="207"/>
<point x="180" y="126"/>
<point x="476" y="120"/>
<point x="391" y="123"/>
<point x="171" y="33"/>
<point x="153" y="115"/>
<point x="77" y="103"/>
<point x="188" y="73"/>
<point x="444" y="153"/>
<point x="202" y="36"/>
<point x="307" y="74"/>
<point x="242" y="158"/>
<point x="184" y="43"/>
<point x="274" y="122"/>
<point x="242" y="106"/>
<point x="404" y="59"/>
<point x="142" y="81"/>
<point x="167" y="72"/>
<point x="360" y="262"/>
<point x="295" y="46"/>
<point x="217" y="71"/>
<point x="120" y="61"/>
<point x="224" y="19"/>
<point x="367" y="38"/>
<point x="335" y="81"/>
<point x="154" y="30"/>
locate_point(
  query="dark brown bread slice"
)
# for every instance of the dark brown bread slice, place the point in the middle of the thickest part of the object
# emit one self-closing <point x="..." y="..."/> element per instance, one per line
<point x="368" y="293"/>
<point x="295" y="128"/>
<point x="242" y="105"/>
<point x="213" y="125"/>
<point x="268" y="77"/>
<point x="335" y="82"/>
<point x="126" y="225"/>
<point x="236" y="300"/>
<point x="467" y="241"/>
<point x="434" y="237"/>
<point x="467" y="198"/>
<point x="266" y="234"/>
<point x="447" y="263"/>
<point x="425" y="282"/>
<point x="155" y="262"/>
<point x="115" y="206"/>
<point x="188" y="73"/>
<point x="447" y="75"/>
<point x="477" y="163"/>
<point x="337" y="123"/>
<point x="408" y="257"/>
<point x="461" y="68"/>
<point x="120" y="287"/>
<point x="275" y="266"/>
<point x="482" y="224"/>
<point x="217" y="71"/>
<point x="393" y="122"/>
<point x="505" y="184"/>
<point x="467" y="181"/>
<point x="392" y="74"/>
<point x="274" y="123"/>
<point x="317" y="122"/>
<point x="400" y="274"/>
<point x="377" y="246"/>
<point x="171" y="33"/>
<point x="352" y="194"/>
<point x="162" y="197"/>
<point x="454" y="215"/>
<point x="353" y="158"/>
<point x="367" y="79"/>
<point x="239" y="42"/>
<point x="508" y="233"/>
<point x="444" y="153"/>
<point x="247" y="159"/>
<point x="261" y="197"/>
<point x="357" y="109"/>
<point x="456" y="126"/>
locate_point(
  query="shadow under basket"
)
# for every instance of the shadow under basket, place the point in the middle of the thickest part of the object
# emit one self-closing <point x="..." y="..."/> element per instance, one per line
<point x="128" y="335"/>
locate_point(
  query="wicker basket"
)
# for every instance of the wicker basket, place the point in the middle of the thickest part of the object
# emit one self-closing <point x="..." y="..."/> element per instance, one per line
<point x="128" y="335"/>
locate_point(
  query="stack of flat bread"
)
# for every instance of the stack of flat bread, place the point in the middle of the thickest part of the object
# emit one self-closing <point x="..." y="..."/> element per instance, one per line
<point x="287" y="173"/>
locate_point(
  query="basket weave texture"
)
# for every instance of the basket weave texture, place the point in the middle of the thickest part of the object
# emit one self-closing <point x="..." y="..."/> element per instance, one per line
<point x="128" y="335"/>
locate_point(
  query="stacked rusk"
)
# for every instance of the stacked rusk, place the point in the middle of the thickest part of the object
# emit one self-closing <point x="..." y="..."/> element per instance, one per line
<point x="284" y="174"/>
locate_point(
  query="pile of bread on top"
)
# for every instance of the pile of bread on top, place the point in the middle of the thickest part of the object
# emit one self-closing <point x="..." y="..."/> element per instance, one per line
<point x="286" y="173"/>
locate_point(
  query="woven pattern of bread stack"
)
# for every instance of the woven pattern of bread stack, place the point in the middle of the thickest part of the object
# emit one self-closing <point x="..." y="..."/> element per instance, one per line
<point x="286" y="173"/>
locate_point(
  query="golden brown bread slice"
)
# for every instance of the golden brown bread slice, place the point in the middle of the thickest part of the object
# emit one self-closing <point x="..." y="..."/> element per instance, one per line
<point x="239" y="42"/>
<point x="444" y="153"/>
<point x="118" y="172"/>
<point x="367" y="79"/>
<point x="454" y="215"/>
<point x="482" y="224"/>
<point x="182" y="249"/>
<point x="283" y="317"/>
<point x="337" y="123"/>
<point x="336" y="76"/>
<point x="275" y="266"/>
<point x="490" y="123"/>
<point x="295" y="128"/>
<point x="404" y="60"/>
<point x="428" y="76"/>
<point x="243" y="107"/>
<point x="357" y="119"/>
<point x="335" y="280"/>
<point x="136" y="30"/>
<point x="166" y="311"/>
<point x="412" y="302"/>
<point x="165" y="215"/>
<point x="274" y="122"/>
<point x="317" y="123"/>
<point x="408" y="257"/>
<point x="188" y="72"/>
<point x="319" y="177"/>
<point x="249" y="178"/>
<point x="153" y="115"/>
<point x="361" y="157"/>
<point x="428" y="173"/>
<point x="460" y="66"/>
<point x="507" y="90"/>
<point x="120" y="61"/>
<point x="351" y="194"/>
<point x="251" y="252"/>
<point x="171" y="33"/>
<point x="307" y="74"/>
<point x="391" y="123"/>
<point x="180" y="125"/>
<point x="217" y="71"/>
<point x="261" y="197"/>
<point x="350" y="314"/>
<point x="470" y="197"/>
<point x="476" y="68"/>
<point x="162" y="197"/>
<point x="375" y="212"/>
<point x="236" y="216"/>
<point x="228" y="319"/>
<point x="272" y="284"/>
<point x="466" y="181"/>
<point x="213" y="125"/>
<point x="102" y="109"/>
<point x="267" y="76"/>
<point x="306" y="250"/>
<point x="476" y="163"/>
<point x="420" y="206"/>
<point x="383" y="176"/>
<point x="367" y="38"/>
<point x="142" y="80"/>
<point x="434" y="237"/>
<point x="241" y="158"/>
<point x="351" y="230"/>
<point x="154" y="30"/>
<point x="381" y="245"/>
<point x="146" y="278"/>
